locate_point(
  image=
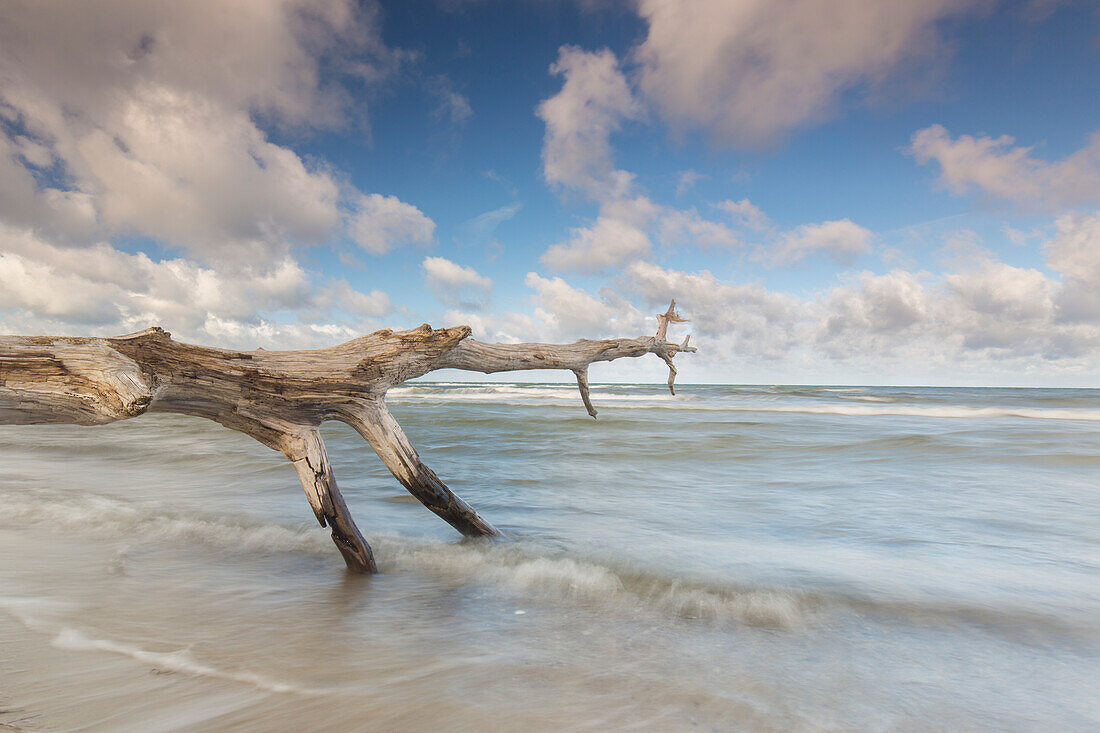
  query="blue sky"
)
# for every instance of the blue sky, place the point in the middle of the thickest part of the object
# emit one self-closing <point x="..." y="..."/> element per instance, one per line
<point x="875" y="191"/>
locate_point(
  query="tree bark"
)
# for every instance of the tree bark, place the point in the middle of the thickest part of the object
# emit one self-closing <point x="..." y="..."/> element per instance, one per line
<point x="281" y="397"/>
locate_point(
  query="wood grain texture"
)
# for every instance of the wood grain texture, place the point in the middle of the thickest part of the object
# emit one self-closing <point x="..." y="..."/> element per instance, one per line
<point x="280" y="398"/>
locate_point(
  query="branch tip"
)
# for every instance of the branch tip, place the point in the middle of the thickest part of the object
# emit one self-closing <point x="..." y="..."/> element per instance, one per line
<point x="474" y="355"/>
<point x="669" y="316"/>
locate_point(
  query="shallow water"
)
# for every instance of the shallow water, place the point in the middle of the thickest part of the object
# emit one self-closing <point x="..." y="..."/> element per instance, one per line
<point x="758" y="558"/>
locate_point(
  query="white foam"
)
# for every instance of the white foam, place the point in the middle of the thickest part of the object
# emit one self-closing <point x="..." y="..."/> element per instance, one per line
<point x="524" y="570"/>
<point x="521" y="568"/>
<point x="529" y="395"/>
<point x="107" y="517"/>
<point x="180" y="660"/>
<point x="33" y="612"/>
<point x="881" y="406"/>
<point x="931" y="411"/>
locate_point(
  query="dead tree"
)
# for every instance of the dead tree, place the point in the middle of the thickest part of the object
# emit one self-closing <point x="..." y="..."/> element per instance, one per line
<point x="280" y="398"/>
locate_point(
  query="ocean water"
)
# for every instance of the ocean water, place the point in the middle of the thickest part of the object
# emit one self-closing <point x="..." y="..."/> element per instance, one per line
<point x="732" y="558"/>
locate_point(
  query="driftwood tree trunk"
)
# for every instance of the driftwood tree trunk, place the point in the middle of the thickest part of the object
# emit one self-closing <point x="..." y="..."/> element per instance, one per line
<point x="280" y="398"/>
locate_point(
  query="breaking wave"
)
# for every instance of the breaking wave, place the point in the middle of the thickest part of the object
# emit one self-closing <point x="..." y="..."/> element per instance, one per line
<point x="826" y="401"/>
<point x="520" y="568"/>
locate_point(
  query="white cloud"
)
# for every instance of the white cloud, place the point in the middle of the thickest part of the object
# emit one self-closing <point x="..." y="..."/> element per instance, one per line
<point x="998" y="306"/>
<point x="751" y="70"/>
<point x="1074" y="251"/>
<point x="561" y="313"/>
<point x="745" y="213"/>
<point x="481" y="228"/>
<point x="373" y="305"/>
<point x="383" y="223"/>
<point x="608" y="243"/>
<point x="686" y="181"/>
<point x="564" y="313"/>
<point x="593" y="102"/>
<point x="985" y="316"/>
<point x="726" y="319"/>
<point x="180" y="169"/>
<point x="870" y="313"/>
<point x="260" y="56"/>
<point x="989" y="310"/>
<point x="99" y="289"/>
<point x="455" y="285"/>
<point x="686" y="228"/>
<point x="502" y="328"/>
<point x="998" y="169"/>
<point x="841" y="240"/>
<point x="147" y="121"/>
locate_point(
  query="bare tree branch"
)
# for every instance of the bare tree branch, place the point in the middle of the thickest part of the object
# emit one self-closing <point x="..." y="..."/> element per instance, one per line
<point x="281" y="397"/>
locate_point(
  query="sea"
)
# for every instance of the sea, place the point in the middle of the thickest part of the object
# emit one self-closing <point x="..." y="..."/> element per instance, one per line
<point x="757" y="558"/>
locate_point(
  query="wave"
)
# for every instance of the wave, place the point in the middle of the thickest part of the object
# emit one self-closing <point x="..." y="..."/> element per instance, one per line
<point x="930" y="411"/>
<point x="520" y="567"/>
<point x="540" y="394"/>
<point x="537" y="572"/>
<point x="878" y="406"/>
<point x="103" y="516"/>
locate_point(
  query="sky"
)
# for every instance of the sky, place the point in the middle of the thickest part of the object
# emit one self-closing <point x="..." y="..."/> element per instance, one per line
<point x="834" y="191"/>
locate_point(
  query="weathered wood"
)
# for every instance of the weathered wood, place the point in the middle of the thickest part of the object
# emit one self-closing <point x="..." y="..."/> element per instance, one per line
<point x="281" y="397"/>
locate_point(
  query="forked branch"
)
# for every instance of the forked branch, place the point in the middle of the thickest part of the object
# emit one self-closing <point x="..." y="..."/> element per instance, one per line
<point x="281" y="397"/>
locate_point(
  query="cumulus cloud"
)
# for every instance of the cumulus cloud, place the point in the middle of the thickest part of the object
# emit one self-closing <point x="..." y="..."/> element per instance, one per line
<point x="608" y="243"/>
<point x="564" y="313"/>
<point x="745" y="319"/>
<point x="561" y="313"/>
<point x="1074" y="251"/>
<point x="150" y="121"/>
<point x="999" y="169"/>
<point x="841" y="240"/>
<point x="989" y="309"/>
<point x="455" y="285"/>
<point x="340" y="294"/>
<point x="261" y="56"/>
<point x="382" y="223"/>
<point x="684" y="227"/>
<point x="593" y="102"/>
<point x="985" y="316"/>
<point x="100" y="289"/>
<point x="179" y="169"/>
<point x="998" y="306"/>
<point x="751" y="70"/>
<point x="870" y="313"/>
<point x="986" y="312"/>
